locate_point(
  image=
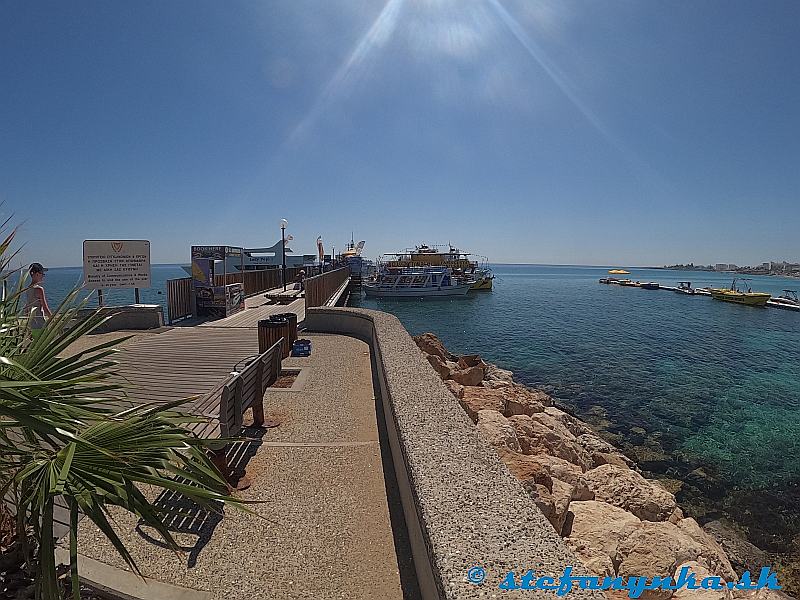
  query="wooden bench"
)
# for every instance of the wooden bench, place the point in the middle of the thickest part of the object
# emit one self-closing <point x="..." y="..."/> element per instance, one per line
<point x="225" y="405"/>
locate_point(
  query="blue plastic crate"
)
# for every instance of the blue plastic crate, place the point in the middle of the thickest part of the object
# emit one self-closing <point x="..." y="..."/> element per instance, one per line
<point x="301" y="348"/>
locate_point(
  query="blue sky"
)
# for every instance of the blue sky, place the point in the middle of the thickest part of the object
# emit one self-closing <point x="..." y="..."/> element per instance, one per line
<point x="624" y="132"/>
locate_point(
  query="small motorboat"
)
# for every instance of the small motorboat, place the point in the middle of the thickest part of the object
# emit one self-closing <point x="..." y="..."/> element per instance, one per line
<point x="685" y="287"/>
<point x="651" y="285"/>
<point x="737" y="296"/>
<point x="788" y="300"/>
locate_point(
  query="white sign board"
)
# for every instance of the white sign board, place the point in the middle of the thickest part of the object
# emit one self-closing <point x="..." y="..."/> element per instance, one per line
<point x="116" y="263"/>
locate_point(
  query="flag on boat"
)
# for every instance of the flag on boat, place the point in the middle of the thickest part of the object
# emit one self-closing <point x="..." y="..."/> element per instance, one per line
<point x="288" y="239"/>
<point x="360" y="247"/>
<point x="320" y="251"/>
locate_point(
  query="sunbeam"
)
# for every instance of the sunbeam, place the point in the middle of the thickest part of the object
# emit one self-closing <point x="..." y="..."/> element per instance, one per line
<point x="378" y="35"/>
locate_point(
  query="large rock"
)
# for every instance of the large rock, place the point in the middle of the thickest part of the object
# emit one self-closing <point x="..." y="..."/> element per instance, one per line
<point x="439" y="365"/>
<point x="656" y="549"/>
<point x="496" y="430"/>
<point x="525" y="467"/>
<point x="430" y="344"/>
<point x="495" y="373"/>
<point x="629" y="490"/>
<point x="521" y="404"/>
<point x="565" y="471"/>
<point x="474" y="399"/>
<point x="713" y="555"/>
<point x="455" y="388"/>
<point x="470" y="376"/>
<point x="562" y="493"/>
<point x="542" y="497"/>
<point x="700" y="572"/>
<point x="601" y="526"/>
<point x="601" y="451"/>
<point x="575" y="426"/>
<point x="522" y="393"/>
<point x="495" y="383"/>
<point x="536" y="437"/>
<point x="597" y="563"/>
<point x="471" y="360"/>
<point x="743" y="555"/>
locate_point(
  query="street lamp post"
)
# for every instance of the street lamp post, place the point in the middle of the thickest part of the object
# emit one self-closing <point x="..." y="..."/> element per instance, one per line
<point x="284" y="223"/>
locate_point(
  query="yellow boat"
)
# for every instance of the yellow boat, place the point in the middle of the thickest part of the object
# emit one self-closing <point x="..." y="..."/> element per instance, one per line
<point x="619" y="272"/>
<point x="733" y="294"/>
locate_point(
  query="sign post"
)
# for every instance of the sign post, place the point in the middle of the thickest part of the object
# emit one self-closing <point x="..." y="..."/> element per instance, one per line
<point x="116" y="264"/>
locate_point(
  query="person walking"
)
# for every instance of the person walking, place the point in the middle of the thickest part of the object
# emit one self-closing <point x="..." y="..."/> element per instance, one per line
<point x="36" y="307"/>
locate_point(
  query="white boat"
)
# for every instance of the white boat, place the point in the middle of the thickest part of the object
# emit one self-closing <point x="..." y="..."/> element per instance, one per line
<point x="416" y="283"/>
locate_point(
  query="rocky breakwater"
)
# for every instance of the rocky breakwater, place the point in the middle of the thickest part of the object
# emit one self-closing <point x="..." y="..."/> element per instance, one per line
<point x="616" y="521"/>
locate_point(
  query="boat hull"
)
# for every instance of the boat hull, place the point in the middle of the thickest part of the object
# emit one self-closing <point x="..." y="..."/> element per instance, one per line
<point x="747" y="299"/>
<point x="419" y="292"/>
<point x="482" y="284"/>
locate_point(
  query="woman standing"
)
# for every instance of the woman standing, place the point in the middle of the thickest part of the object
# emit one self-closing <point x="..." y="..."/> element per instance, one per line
<point x="36" y="307"/>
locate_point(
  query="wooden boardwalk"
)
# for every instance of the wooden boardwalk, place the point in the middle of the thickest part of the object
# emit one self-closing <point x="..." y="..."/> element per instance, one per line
<point x="256" y="308"/>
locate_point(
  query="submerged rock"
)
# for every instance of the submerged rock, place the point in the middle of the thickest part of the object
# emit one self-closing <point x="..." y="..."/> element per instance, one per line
<point x="743" y="555"/>
<point x="627" y="489"/>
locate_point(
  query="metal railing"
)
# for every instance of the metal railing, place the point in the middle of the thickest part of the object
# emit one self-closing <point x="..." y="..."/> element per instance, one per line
<point x="320" y="289"/>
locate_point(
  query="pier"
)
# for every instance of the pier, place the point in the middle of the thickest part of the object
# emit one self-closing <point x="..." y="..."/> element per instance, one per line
<point x="695" y="292"/>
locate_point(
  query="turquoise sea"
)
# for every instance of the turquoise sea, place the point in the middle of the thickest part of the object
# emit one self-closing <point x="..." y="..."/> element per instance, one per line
<point x="703" y="394"/>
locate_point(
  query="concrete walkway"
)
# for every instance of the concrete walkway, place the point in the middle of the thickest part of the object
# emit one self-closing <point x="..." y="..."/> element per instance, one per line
<point x="323" y="529"/>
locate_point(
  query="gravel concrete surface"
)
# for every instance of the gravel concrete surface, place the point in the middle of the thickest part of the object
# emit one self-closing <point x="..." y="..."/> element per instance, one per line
<point x="323" y="529"/>
<point x="473" y="512"/>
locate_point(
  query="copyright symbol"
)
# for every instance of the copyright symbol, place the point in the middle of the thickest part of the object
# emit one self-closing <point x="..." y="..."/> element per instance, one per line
<point x="476" y="575"/>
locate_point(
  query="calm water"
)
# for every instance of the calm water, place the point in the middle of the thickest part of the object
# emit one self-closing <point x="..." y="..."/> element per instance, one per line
<point x="711" y="384"/>
<point x="58" y="282"/>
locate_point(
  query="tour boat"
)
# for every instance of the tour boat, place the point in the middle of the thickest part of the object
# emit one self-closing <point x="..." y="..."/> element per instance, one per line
<point x="460" y="263"/>
<point x="618" y="272"/>
<point x="416" y="282"/>
<point x="733" y="294"/>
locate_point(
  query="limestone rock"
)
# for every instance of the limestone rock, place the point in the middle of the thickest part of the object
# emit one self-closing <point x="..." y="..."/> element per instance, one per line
<point x="495" y="373"/>
<point x="471" y="360"/>
<point x="521" y="404"/>
<point x="496" y="430"/>
<point x="743" y="555"/>
<point x="474" y="399"/>
<point x="562" y="495"/>
<point x="629" y="490"/>
<point x="455" y="388"/>
<point x="566" y="471"/>
<point x="701" y="572"/>
<point x="656" y="549"/>
<point x="601" y="526"/>
<point x="597" y="563"/>
<point x="495" y="384"/>
<point x="521" y="392"/>
<point x="542" y="497"/>
<point x="439" y="366"/>
<point x="713" y="555"/>
<point x="525" y="468"/>
<point x="575" y="426"/>
<point x="601" y="451"/>
<point x="469" y="376"/>
<point x="536" y="437"/>
<point x="430" y="344"/>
